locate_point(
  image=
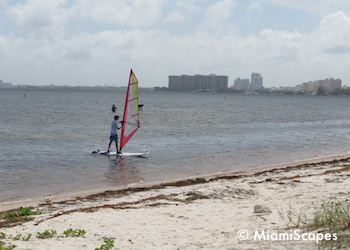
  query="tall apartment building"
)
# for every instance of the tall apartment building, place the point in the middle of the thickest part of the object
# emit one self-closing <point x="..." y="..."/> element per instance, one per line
<point x="241" y="84"/>
<point x="5" y="84"/>
<point x="196" y="82"/>
<point x="256" y="82"/>
<point x="329" y="84"/>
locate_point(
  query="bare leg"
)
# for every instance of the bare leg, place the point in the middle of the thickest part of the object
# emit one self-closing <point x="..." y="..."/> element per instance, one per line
<point x="116" y="146"/>
<point x="109" y="145"/>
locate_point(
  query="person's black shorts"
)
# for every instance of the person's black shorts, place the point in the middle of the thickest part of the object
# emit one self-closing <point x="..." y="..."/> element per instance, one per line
<point x="113" y="138"/>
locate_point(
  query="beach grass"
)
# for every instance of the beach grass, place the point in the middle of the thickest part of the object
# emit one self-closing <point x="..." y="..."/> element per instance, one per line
<point x="293" y="217"/>
<point x="333" y="217"/>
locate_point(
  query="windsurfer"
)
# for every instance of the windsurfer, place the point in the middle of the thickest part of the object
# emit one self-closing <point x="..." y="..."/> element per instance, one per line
<point x="114" y="135"/>
<point x="114" y="108"/>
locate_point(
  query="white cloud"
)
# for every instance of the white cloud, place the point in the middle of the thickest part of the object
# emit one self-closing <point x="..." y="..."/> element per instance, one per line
<point x="336" y="20"/>
<point x="219" y="12"/>
<point x="331" y="36"/>
<point x="313" y="7"/>
<point x="130" y="13"/>
<point x="102" y="55"/>
<point x="189" y="5"/>
<point x="35" y="16"/>
<point x="254" y="6"/>
<point x="306" y="56"/>
<point x="175" y="17"/>
<point x="328" y="46"/>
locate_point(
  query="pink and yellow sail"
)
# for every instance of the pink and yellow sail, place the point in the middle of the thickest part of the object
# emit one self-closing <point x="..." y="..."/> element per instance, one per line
<point x="131" y="117"/>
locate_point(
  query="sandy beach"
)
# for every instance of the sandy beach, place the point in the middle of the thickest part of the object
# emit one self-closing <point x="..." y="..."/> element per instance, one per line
<point x="240" y="210"/>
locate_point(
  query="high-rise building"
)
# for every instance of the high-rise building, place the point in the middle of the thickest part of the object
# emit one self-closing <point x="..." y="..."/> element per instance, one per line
<point x="196" y="82"/>
<point x="256" y="82"/>
<point x="5" y="84"/>
<point x="329" y="84"/>
<point x="241" y="84"/>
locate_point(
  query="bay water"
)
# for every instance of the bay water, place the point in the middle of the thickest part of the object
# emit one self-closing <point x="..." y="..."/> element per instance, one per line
<point x="47" y="136"/>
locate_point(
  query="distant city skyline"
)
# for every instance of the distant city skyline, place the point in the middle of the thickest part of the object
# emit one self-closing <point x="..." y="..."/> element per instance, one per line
<point x="254" y="83"/>
<point x="213" y="81"/>
<point x="89" y="43"/>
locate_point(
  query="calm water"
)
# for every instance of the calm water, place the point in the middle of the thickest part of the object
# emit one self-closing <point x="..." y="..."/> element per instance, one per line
<point x="46" y="137"/>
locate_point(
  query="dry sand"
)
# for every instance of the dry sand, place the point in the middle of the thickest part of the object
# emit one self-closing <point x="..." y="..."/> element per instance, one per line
<point x="209" y="212"/>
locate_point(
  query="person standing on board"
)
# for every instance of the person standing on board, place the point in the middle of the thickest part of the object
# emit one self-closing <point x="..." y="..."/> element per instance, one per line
<point x="114" y="108"/>
<point x="114" y="135"/>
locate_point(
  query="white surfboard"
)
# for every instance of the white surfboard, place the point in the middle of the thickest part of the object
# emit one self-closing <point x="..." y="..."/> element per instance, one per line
<point x="144" y="154"/>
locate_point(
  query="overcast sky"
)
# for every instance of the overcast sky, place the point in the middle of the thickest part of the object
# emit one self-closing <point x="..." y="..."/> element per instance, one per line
<point x="90" y="42"/>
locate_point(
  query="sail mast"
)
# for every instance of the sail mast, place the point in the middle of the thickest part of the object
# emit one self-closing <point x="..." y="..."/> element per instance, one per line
<point x="131" y="117"/>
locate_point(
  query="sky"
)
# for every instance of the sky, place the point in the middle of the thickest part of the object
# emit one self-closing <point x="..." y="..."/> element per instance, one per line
<point x="90" y="43"/>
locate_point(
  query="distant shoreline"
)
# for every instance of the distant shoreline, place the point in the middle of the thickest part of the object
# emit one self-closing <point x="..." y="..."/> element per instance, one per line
<point x="161" y="89"/>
